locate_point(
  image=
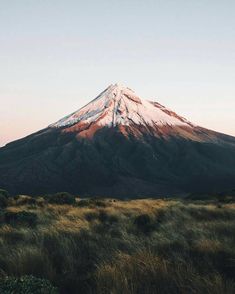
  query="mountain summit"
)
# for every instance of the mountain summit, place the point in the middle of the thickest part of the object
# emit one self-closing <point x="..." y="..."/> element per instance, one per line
<point x="119" y="105"/>
<point x="120" y="145"/>
<point x="121" y="108"/>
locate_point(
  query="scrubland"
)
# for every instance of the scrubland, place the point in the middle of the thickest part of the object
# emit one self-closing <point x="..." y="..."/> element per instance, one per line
<point x="121" y="247"/>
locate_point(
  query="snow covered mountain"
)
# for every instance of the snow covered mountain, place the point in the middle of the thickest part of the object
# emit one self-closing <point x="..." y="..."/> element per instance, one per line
<point x="119" y="105"/>
<point x="120" y="145"/>
<point x="121" y="108"/>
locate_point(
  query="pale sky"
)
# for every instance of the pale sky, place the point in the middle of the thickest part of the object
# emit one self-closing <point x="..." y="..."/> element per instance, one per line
<point x="57" y="55"/>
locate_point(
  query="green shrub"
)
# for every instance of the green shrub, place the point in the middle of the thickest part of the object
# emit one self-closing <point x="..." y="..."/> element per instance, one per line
<point x="26" y="285"/>
<point x="25" y="200"/>
<point x="105" y="217"/>
<point x="92" y="203"/>
<point x="144" y="223"/>
<point x="84" y="203"/>
<point x="3" y="201"/>
<point x="61" y="198"/>
<point x="21" y="217"/>
<point x="4" y="193"/>
<point x="91" y="216"/>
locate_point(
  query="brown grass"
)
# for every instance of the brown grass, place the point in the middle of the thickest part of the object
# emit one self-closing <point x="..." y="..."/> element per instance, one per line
<point x="130" y="247"/>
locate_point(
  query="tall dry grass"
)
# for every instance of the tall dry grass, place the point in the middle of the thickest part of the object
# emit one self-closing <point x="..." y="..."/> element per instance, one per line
<point x="129" y="247"/>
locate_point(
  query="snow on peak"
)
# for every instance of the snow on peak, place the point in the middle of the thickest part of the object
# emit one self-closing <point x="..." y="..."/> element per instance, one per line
<point x="119" y="105"/>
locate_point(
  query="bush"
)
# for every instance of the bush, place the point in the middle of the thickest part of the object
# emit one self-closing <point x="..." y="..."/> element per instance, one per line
<point x="4" y="193"/>
<point x="26" y="285"/>
<point x="92" y="203"/>
<point x="105" y="217"/>
<point x="3" y="201"/>
<point x="144" y="223"/>
<point x="21" y="217"/>
<point x="25" y="200"/>
<point x="61" y="198"/>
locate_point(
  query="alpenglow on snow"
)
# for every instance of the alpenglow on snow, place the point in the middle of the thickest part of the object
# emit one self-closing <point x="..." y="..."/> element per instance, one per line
<point x="119" y="105"/>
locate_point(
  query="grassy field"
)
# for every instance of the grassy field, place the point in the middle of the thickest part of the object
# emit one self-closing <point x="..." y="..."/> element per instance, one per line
<point x="121" y="247"/>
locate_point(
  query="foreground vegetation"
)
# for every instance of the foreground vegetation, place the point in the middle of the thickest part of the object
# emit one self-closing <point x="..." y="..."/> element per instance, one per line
<point x="110" y="246"/>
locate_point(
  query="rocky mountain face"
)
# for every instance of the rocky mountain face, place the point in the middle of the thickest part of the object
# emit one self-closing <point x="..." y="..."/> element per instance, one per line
<point x="120" y="145"/>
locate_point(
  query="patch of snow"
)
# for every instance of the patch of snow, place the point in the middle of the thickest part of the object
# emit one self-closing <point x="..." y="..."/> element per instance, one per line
<point x="119" y="105"/>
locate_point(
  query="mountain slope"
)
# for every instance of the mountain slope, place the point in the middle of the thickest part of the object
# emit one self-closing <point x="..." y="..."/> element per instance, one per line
<point x="120" y="145"/>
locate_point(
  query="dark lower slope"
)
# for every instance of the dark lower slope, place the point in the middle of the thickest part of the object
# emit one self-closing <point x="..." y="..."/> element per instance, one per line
<point x="110" y="164"/>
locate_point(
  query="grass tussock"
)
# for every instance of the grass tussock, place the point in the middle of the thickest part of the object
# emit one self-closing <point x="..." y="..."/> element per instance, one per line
<point x="145" y="272"/>
<point x="111" y="246"/>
